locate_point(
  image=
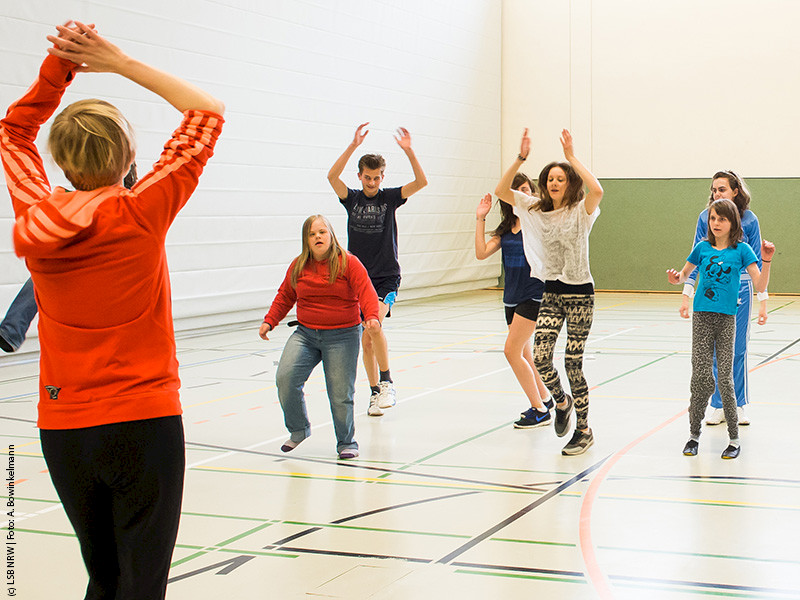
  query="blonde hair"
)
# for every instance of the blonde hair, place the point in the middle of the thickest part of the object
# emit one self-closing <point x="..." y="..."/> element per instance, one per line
<point x="336" y="257"/>
<point x="92" y="143"/>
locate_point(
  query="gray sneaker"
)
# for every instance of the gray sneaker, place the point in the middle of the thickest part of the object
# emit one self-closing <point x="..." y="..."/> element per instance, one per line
<point x="387" y="397"/>
<point x="579" y="443"/>
<point x="562" y="417"/>
<point x="374" y="409"/>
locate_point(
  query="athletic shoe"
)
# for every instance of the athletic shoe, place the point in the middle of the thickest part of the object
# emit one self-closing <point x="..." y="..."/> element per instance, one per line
<point x="289" y="445"/>
<point x="690" y="449"/>
<point x="580" y="443"/>
<point x="374" y="409"/>
<point x="730" y="452"/>
<point x="715" y="417"/>
<point x="562" y="417"/>
<point x="550" y="404"/>
<point x="348" y="453"/>
<point x="743" y="419"/>
<point x="387" y="397"/>
<point x="532" y="418"/>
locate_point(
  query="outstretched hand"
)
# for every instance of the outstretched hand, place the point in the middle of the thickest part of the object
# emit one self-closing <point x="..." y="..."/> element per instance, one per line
<point x="767" y="250"/>
<point x="81" y="44"/>
<point x="673" y="276"/>
<point x="360" y="134"/>
<point x="484" y="206"/>
<point x="525" y="144"/>
<point x="566" y="144"/>
<point x="403" y="138"/>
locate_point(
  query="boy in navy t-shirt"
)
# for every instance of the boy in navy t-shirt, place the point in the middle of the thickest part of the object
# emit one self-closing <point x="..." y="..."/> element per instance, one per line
<point x="372" y="237"/>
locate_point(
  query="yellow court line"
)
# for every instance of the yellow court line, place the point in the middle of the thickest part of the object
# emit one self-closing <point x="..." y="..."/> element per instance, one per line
<point x="617" y="304"/>
<point x="458" y="486"/>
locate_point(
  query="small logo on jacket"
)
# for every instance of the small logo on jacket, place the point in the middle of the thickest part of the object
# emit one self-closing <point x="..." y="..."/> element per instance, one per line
<point x="53" y="391"/>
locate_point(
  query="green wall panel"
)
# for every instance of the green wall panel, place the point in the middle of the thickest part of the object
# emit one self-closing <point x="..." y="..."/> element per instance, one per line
<point x="647" y="226"/>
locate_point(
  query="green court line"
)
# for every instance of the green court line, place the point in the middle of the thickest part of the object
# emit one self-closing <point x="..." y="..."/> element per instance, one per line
<point x="21" y="499"/>
<point x="196" y="514"/>
<point x="520" y="576"/>
<point x="639" y="368"/>
<point x="56" y="533"/>
<point x="245" y="534"/>
<point x="699" y="555"/>
<point x="448" y="448"/>
<point x="536" y="542"/>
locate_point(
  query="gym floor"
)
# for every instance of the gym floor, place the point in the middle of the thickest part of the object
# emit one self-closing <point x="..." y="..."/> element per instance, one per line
<point x="446" y="497"/>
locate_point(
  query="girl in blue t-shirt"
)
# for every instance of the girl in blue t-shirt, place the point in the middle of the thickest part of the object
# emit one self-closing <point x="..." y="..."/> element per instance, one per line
<point x="719" y="260"/>
<point x="522" y="296"/>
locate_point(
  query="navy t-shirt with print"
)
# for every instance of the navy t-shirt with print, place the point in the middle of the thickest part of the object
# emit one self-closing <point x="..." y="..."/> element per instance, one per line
<point x="372" y="229"/>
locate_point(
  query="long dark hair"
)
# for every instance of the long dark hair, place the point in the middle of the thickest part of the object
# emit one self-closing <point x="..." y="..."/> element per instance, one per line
<point x="572" y="195"/>
<point x="508" y="218"/>
<point x="742" y="199"/>
<point x="727" y="209"/>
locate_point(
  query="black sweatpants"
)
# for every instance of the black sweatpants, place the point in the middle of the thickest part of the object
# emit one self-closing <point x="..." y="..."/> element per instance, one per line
<point x="121" y="486"/>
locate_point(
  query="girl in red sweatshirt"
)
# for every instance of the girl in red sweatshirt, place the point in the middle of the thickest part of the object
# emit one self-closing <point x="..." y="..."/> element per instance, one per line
<point x="332" y="291"/>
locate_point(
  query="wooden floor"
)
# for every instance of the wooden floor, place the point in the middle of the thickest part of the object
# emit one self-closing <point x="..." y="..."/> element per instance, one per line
<point x="447" y="499"/>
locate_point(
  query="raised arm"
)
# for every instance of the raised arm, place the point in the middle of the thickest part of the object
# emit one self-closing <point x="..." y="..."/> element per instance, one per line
<point x="503" y="189"/>
<point x="484" y="249"/>
<point x="761" y="279"/>
<point x="94" y="54"/>
<point x="335" y="174"/>
<point x="594" y="190"/>
<point x="403" y="140"/>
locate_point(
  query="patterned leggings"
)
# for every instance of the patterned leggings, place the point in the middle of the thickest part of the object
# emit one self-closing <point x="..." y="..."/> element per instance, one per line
<point x="578" y="311"/>
<point x="712" y="331"/>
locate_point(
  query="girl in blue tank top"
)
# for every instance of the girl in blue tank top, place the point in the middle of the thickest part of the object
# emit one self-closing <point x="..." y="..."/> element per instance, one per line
<point x="522" y="295"/>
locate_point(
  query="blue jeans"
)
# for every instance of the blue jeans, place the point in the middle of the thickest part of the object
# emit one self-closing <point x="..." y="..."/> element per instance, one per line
<point x="18" y="318"/>
<point x="338" y="351"/>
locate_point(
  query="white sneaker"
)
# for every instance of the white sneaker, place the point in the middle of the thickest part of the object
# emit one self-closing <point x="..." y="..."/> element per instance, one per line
<point x="387" y="397"/>
<point x="743" y="419"/>
<point x="374" y="409"/>
<point x="715" y="417"/>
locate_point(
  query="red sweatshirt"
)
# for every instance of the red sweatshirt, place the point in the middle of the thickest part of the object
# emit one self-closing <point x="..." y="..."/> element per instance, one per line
<point x="321" y="305"/>
<point x="99" y="268"/>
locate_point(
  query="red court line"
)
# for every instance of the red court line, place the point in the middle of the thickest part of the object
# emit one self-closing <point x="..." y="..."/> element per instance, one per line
<point x="593" y="570"/>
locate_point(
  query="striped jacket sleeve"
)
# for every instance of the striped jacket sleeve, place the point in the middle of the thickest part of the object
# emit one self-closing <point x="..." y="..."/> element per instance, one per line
<point x="166" y="188"/>
<point x="25" y="174"/>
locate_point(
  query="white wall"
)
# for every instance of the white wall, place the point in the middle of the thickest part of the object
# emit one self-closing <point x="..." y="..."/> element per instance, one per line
<point x="297" y="76"/>
<point x="668" y="89"/>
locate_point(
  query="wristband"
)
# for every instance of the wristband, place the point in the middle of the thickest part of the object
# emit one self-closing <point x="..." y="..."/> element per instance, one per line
<point x="763" y="261"/>
<point x="522" y="158"/>
<point x="762" y="296"/>
<point x="688" y="290"/>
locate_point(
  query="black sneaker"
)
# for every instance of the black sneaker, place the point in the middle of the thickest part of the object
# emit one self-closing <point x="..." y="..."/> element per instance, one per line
<point x="730" y="452"/>
<point x="690" y="449"/>
<point x="550" y="404"/>
<point x="562" y="417"/>
<point x="580" y="443"/>
<point x="533" y="418"/>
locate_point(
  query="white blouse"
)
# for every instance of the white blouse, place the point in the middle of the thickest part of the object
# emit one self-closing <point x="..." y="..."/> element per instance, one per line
<point x="556" y="243"/>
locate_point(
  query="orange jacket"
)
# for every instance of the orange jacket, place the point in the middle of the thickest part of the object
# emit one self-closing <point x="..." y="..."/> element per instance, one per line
<point x="99" y="268"/>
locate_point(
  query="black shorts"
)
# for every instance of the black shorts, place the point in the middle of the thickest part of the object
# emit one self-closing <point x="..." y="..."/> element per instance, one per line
<point x="528" y="309"/>
<point x="386" y="288"/>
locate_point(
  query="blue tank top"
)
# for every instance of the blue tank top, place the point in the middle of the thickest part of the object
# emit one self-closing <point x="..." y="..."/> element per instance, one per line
<point x="519" y="285"/>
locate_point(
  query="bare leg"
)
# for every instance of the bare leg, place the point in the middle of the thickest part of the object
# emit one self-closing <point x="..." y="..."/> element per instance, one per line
<point x="519" y="336"/>
<point x="527" y="354"/>
<point x="376" y="349"/>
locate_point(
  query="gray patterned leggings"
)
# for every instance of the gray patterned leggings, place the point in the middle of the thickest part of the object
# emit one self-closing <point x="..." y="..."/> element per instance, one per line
<point x="712" y="331"/>
<point x="578" y="311"/>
